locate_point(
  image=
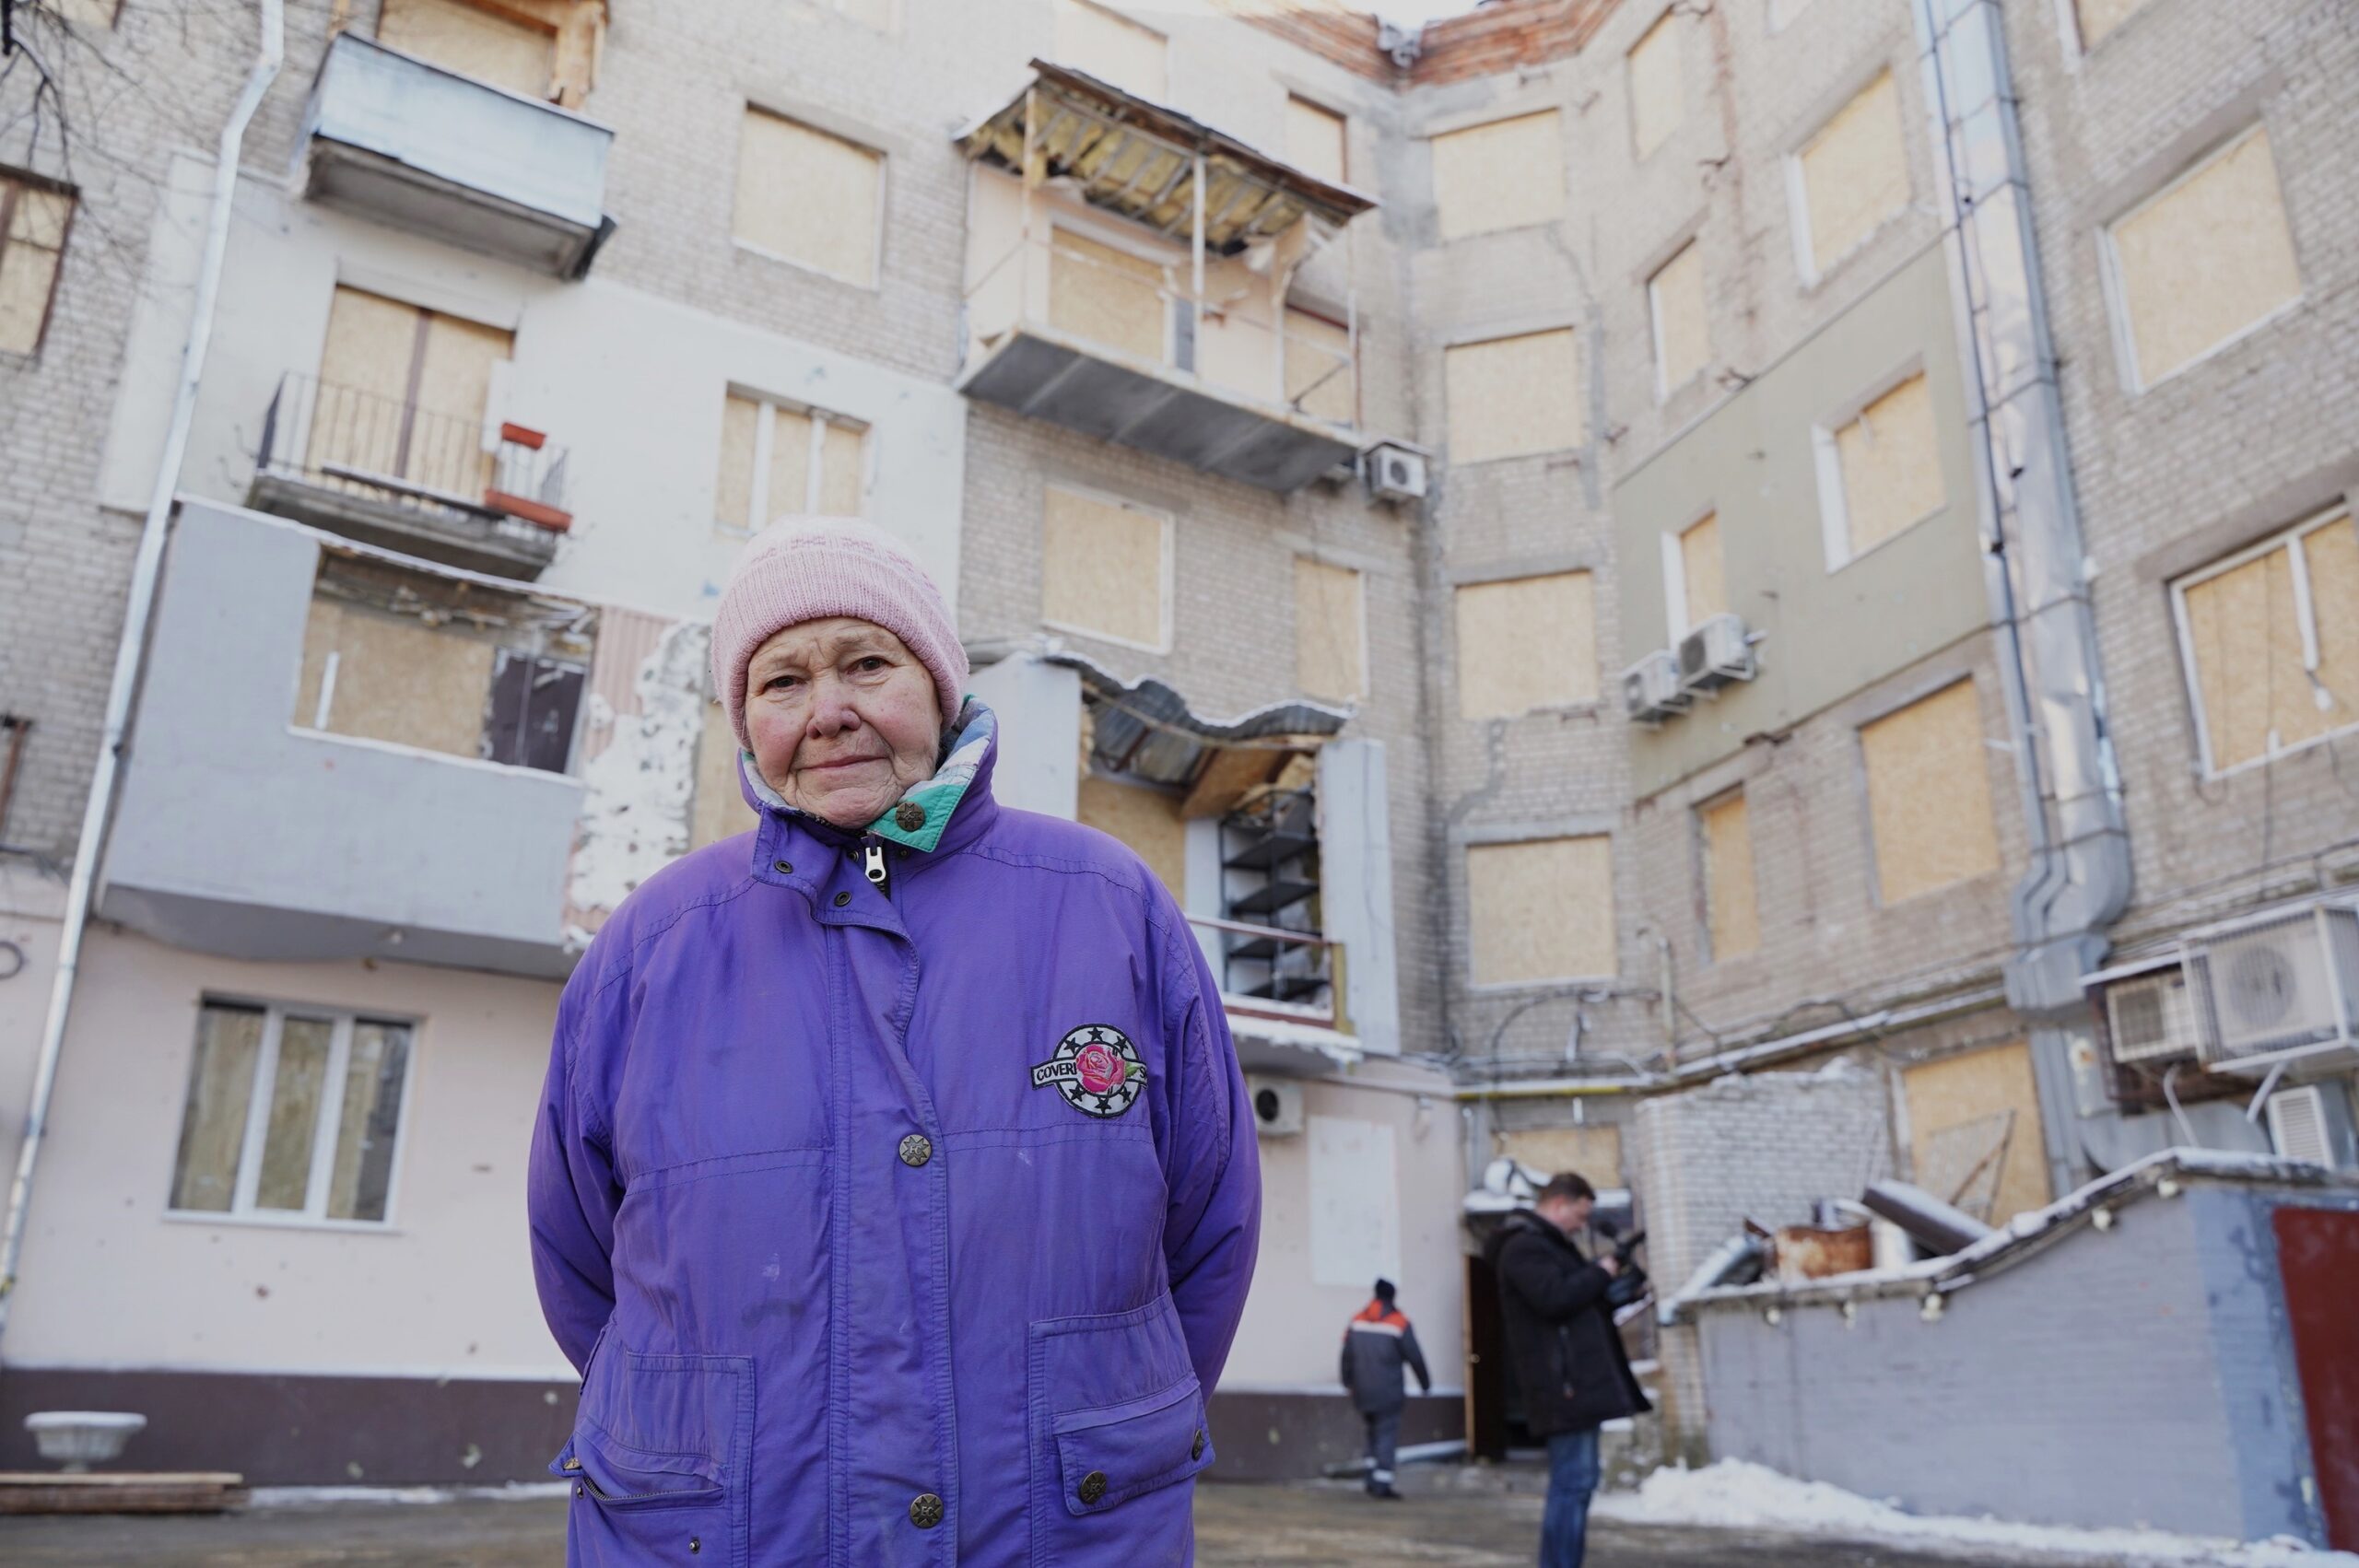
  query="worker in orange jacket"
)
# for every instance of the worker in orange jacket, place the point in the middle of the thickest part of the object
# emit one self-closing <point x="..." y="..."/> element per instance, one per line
<point x="1376" y="1345"/>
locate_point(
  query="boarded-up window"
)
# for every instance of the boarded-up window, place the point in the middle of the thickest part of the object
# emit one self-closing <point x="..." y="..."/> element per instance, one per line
<point x="1975" y="1139"/>
<point x="2204" y="259"/>
<point x="1929" y="794"/>
<point x="1658" y="94"/>
<point x="1732" y="917"/>
<point x="1330" y="632"/>
<point x="2271" y="642"/>
<point x="1514" y="395"/>
<point x="1851" y="176"/>
<point x="100" y="14"/>
<point x="720" y="809"/>
<point x="1146" y="820"/>
<point x="403" y="393"/>
<point x="777" y="461"/>
<point x="1104" y="565"/>
<point x="1888" y="469"/>
<point x="1683" y="332"/>
<point x="1113" y="49"/>
<point x="807" y="197"/>
<point x="1703" y="586"/>
<point x="392" y="678"/>
<point x="1315" y="139"/>
<point x="1526" y="643"/>
<point x="1542" y="910"/>
<point x="1319" y="367"/>
<point x="1107" y="296"/>
<point x="490" y="46"/>
<point x="1594" y="1150"/>
<point x="33" y="216"/>
<point x="2099" y="17"/>
<point x="1501" y="175"/>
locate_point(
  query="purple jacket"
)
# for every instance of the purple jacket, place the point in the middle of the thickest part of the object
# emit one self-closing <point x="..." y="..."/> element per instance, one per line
<point x="894" y="1224"/>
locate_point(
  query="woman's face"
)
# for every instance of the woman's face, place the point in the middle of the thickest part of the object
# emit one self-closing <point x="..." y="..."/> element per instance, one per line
<point x="842" y="717"/>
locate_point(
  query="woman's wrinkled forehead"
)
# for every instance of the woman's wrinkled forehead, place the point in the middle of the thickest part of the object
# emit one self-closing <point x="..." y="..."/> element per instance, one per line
<point x="815" y="644"/>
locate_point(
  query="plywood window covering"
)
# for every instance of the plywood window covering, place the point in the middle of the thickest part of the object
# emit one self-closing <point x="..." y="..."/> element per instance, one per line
<point x="1514" y="396"/>
<point x="1148" y="821"/>
<point x="1329" y="630"/>
<point x="1851" y="177"/>
<point x="807" y="197"/>
<point x="1319" y="367"/>
<point x="1975" y="1137"/>
<point x="1658" y="93"/>
<point x="778" y="461"/>
<point x="1106" y="569"/>
<point x="2270" y="639"/>
<point x="392" y="678"/>
<point x="1315" y="140"/>
<point x="1540" y="909"/>
<point x="1594" y="1150"/>
<point x="1114" y="49"/>
<point x="405" y="392"/>
<point x="1702" y="580"/>
<point x="2098" y="18"/>
<point x="1888" y="466"/>
<point x="1526" y="643"/>
<point x="1108" y="296"/>
<point x="1683" y="331"/>
<point x="2204" y="261"/>
<point x="34" y="215"/>
<point x="98" y="14"/>
<point x="493" y="46"/>
<point x="291" y="1113"/>
<point x="1732" y="917"/>
<point x="1929" y="794"/>
<point x="1505" y="174"/>
<point x="720" y="809"/>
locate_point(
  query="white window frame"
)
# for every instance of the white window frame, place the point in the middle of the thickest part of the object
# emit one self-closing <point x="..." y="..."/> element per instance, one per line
<point x="314" y="1215"/>
<point x="1833" y="507"/>
<point x="1809" y="269"/>
<point x="2304" y="619"/>
<point x="757" y="489"/>
<point x="2116" y="291"/>
<point x="1663" y="388"/>
<point x="875" y="285"/>
<point x="1166" y="568"/>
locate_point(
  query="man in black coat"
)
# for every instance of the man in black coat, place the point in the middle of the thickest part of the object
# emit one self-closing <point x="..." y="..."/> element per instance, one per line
<point x="1567" y="1355"/>
<point x="1376" y="1345"/>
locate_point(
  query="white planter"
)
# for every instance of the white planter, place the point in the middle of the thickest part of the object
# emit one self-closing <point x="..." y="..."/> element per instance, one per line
<point x="78" y="1439"/>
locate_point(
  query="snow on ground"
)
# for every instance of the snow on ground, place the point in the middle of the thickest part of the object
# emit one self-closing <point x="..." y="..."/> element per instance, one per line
<point x="1738" y="1495"/>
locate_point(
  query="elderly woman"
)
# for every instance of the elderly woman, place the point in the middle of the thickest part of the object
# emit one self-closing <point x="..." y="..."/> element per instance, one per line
<point x="894" y="1188"/>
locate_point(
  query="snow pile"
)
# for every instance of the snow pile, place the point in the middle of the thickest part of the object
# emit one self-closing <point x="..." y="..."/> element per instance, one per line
<point x="325" y="1496"/>
<point x="1737" y="1495"/>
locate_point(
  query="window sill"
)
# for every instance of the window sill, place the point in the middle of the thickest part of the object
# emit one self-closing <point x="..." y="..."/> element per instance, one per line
<point x="281" y="1222"/>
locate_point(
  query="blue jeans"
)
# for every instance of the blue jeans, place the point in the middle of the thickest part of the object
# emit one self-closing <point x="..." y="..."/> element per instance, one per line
<point x="1572" y="1476"/>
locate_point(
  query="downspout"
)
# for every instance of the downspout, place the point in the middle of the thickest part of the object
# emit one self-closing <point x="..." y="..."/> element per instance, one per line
<point x="146" y="566"/>
<point x="2078" y="880"/>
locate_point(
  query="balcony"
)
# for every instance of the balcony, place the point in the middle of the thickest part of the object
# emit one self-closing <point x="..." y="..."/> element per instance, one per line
<point x="387" y="473"/>
<point x="1130" y="277"/>
<point x="433" y="152"/>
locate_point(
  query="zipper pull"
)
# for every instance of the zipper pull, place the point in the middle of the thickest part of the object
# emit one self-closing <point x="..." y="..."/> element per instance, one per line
<point x="873" y="862"/>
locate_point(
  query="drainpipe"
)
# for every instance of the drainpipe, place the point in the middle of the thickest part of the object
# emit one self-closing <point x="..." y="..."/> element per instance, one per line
<point x="146" y="566"/>
<point x="2035" y="567"/>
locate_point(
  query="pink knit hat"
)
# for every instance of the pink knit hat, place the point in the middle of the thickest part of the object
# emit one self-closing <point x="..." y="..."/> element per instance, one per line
<point x="797" y="571"/>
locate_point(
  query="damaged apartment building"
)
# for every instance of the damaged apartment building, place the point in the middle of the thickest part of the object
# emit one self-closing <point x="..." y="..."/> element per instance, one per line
<point x="1602" y="546"/>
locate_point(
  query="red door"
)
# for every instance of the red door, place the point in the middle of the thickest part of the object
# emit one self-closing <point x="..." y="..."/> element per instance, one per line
<point x="2317" y="1250"/>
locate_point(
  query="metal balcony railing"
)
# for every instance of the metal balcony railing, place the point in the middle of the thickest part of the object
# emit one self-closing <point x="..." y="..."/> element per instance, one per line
<point x="1305" y="970"/>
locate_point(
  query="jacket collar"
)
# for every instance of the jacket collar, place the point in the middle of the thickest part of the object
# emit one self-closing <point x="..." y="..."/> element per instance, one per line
<point x="956" y="801"/>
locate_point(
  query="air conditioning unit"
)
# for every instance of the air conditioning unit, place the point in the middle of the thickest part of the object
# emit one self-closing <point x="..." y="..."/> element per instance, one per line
<point x="1395" y="470"/>
<point x="1277" y="1105"/>
<point x="2151" y="1017"/>
<point x="1650" y="689"/>
<point x="2297" y="1125"/>
<point x="1717" y="651"/>
<point x="2282" y="987"/>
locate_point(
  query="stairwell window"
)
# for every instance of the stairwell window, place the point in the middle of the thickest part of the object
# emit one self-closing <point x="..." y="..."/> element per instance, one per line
<point x="809" y="198"/>
<point x="1514" y="396"/>
<point x="780" y="459"/>
<point x="35" y="213"/>
<point x="1540" y="910"/>
<point x="292" y="1114"/>
<point x="2270" y="642"/>
<point x="1526" y="643"/>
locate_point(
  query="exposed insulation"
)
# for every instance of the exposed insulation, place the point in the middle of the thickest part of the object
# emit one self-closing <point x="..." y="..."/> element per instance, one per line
<point x="1682" y="327"/>
<point x="1732" y="914"/>
<point x="1855" y="172"/>
<point x="2206" y="259"/>
<point x="1526" y="643"/>
<point x="1102" y="568"/>
<point x="1540" y="910"/>
<point x="720" y="809"/>
<point x="1315" y="140"/>
<point x="2099" y="17"/>
<point x="1319" y="368"/>
<point x="809" y="197"/>
<point x="1700" y="573"/>
<point x="1891" y="461"/>
<point x="1929" y="794"/>
<point x="1107" y="296"/>
<point x="1114" y="49"/>
<point x="30" y="255"/>
<point x="1330" y="631"/>
<point x="2243" y="629"/>
<point x="1658" y="94"/>
<point x="396" y="679"/>
<point x="1230" y="774"/>
<point x="1593" y="1151"/>
<point x="474" y="41"/>
<point x="1146" y="820"/>
<point x="1960" y="1109"/>
<point x="1513" y="396"/>
<point x="638" y="793"/>
<point x="1505" y="174"/>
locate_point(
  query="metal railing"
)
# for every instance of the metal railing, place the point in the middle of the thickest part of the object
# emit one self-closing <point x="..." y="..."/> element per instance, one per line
<point x="508" y="479"/>
<point x="1321" y="980"/>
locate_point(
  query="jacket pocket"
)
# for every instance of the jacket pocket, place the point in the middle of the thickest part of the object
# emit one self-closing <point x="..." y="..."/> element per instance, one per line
<point x="659" y="1460"/>
<point x="1116" y="1432"/>
<point x="1107" y="1456"/>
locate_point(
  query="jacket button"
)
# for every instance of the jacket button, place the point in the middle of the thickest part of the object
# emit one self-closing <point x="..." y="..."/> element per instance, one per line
<point x="1093" y="1486"/>
<point x="926" y="1511"/>
<point x="784" y="868"/>
<point x="916" y="1150"/>
<point x="695" y="1546"/>
<point x="1196" y="1451"/>
<point x="842" y="899"/>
